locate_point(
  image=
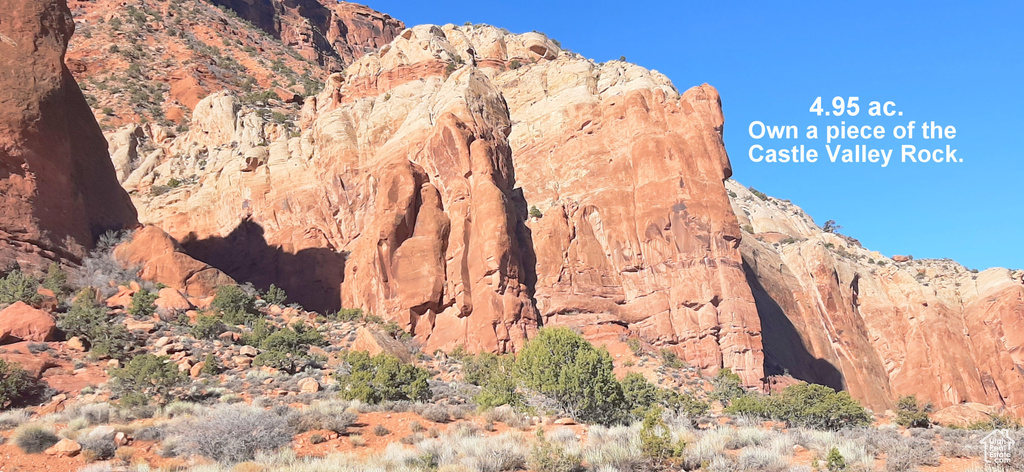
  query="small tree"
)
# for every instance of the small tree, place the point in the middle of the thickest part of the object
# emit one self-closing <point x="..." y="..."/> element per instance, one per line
<point x="142" y="304"/>
<point x="275" y="295"/>
<point x="911" y="414"/>
<point x="16" y="286"/>
<point x="835" y="461"/>
<point x="562" y="365"/>
<point x="235" y="305"/>
<point x="727" y="387"/>
<point x="14" y="382"/>
<point x="148" y="375"/>
<point x="382" y="377"/>
<point x="830" y="226"/>
<point x="88" y="321"/>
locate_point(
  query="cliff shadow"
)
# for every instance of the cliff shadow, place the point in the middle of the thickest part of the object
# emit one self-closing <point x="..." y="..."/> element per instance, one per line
<point x="311" y="277"/>
<point x="784" y="349"/>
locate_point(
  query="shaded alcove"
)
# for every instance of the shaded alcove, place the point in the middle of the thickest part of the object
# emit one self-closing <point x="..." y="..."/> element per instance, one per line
<point x="784" y="349"/>
<point x="311" y="277"/>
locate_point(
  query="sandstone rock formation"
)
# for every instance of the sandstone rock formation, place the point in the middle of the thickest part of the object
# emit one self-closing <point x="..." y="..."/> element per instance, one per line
<point x="332" y="33"/>
<point x="403" y="181"/>
<point x="58" y="190"/>
<point x="835" y="313"/>
<point x="21" y="322"/>
<point x="161" y="260"/>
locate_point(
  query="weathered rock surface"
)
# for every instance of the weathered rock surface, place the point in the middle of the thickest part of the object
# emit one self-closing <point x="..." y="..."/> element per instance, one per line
<point x="835" y="313"/>
<point x="21" y="322"/>
<point x="58" y="189"/>
<point x="160" y="259"/>
<point x="332" y="33"/>
<point x="407" y="165"/>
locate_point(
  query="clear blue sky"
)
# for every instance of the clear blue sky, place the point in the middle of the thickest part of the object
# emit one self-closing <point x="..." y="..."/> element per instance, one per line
<point x="952" y="62"/>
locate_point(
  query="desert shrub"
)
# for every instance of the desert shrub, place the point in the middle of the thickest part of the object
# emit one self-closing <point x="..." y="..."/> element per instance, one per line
<point x="90" y="322"/>
<point x="562" y="365"/>
<point x="142" y="305"/>
<point x="99" y="447"/>
<point x="150" y="433"/>
<point x="211" y="366"/>
<point x="806" y="405"/>
<point x="656" y="442"/>
<point x="275" y="295"/>
<point x="685" y="404"/>
<point x="207" y="327"/>
<point x="101" y="270"/>
<point x="551" y="456"/>
<point x="324" y="415"/>
<point x="287" y="349"/>
<point x="33" y="439"/>
<point x="670" y="359"/>
<point x="348" y="314"/>
<point x="535" y="212"/>
<point x="13" y="418"/>
<point x="910" y="453"/>
<point x="817" y="406"/>
<point x="234" y="433"/>
<point x="727" y="387"/>
<point x="436" y="413"/>
<point x="381" y="430"/>
<point x="235" y="305"/>
<point x="382" y="377"/>
<point x="14" y="383"/>
<point x="911" y="414"/>
<point x="495" y="375"/>
<point x="762" y="458"/>
<point x="56" y="280"/>
<point x="835" y="461"/>
<point x="996" y="422"/>
<point x="19" y="287"/>
<point x="639" y="395"/>
<point x="146" y="374"/>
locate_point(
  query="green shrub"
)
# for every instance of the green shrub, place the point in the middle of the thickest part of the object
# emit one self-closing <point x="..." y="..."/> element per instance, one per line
<point x="207" y="327"/>
<point x="56" y="279"/>
<point x="805" y="405"/>
<point x="16" y="286"/>
<point x="996" y="422"/>
<point x="562" y="365"/>
<point x="535" y="212"/>
<point x="90" y="322"/>
<point x="656" y="441"/>
<point x="348" y="314"/>
<point x="147" y="374"/>
<point x="835" y="461"/>
<point x="911" y="414"/>
<point x="639" y="395"/>
<point x="670" y="359"/>
<point x="495" y="374"/>
<point x="286" y="349"/>
<point x="727" y="387"/>
<point x="635" y="346"/>
<point x="33" y="439"/>
<point x="142" y="304"/>
<point x="382" y="377"/>
<point x="14" y="382"/>
<point x="211" y="366"/>
<point x="275" y="295"/>
<point x="235" y="305"/>
<point x="548" y="456"/>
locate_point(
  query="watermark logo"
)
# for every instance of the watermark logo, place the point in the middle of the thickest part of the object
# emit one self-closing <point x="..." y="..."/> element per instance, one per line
<point x="998" y="447"/>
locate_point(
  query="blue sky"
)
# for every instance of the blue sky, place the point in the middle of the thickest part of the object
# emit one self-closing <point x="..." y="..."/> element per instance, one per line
<point x="958" y="64"/>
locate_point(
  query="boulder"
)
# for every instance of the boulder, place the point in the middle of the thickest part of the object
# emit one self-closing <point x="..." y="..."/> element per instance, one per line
<point x="375" y="342"/>
<point x="162" y="260"/>
<point x="22" y="322"/>
<point x="170" y="300"/>
<point x="64" y="448"/>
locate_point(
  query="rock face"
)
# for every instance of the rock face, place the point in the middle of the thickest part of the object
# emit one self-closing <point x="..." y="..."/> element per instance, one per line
<point x="400" y="196"/>
<point x="58" y="189"/>
<point x="835" y="313"/>
<point x="332" y="33"/>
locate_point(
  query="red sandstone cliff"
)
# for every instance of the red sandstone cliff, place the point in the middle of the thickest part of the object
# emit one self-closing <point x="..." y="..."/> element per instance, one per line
<point x="58" y="190"/>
